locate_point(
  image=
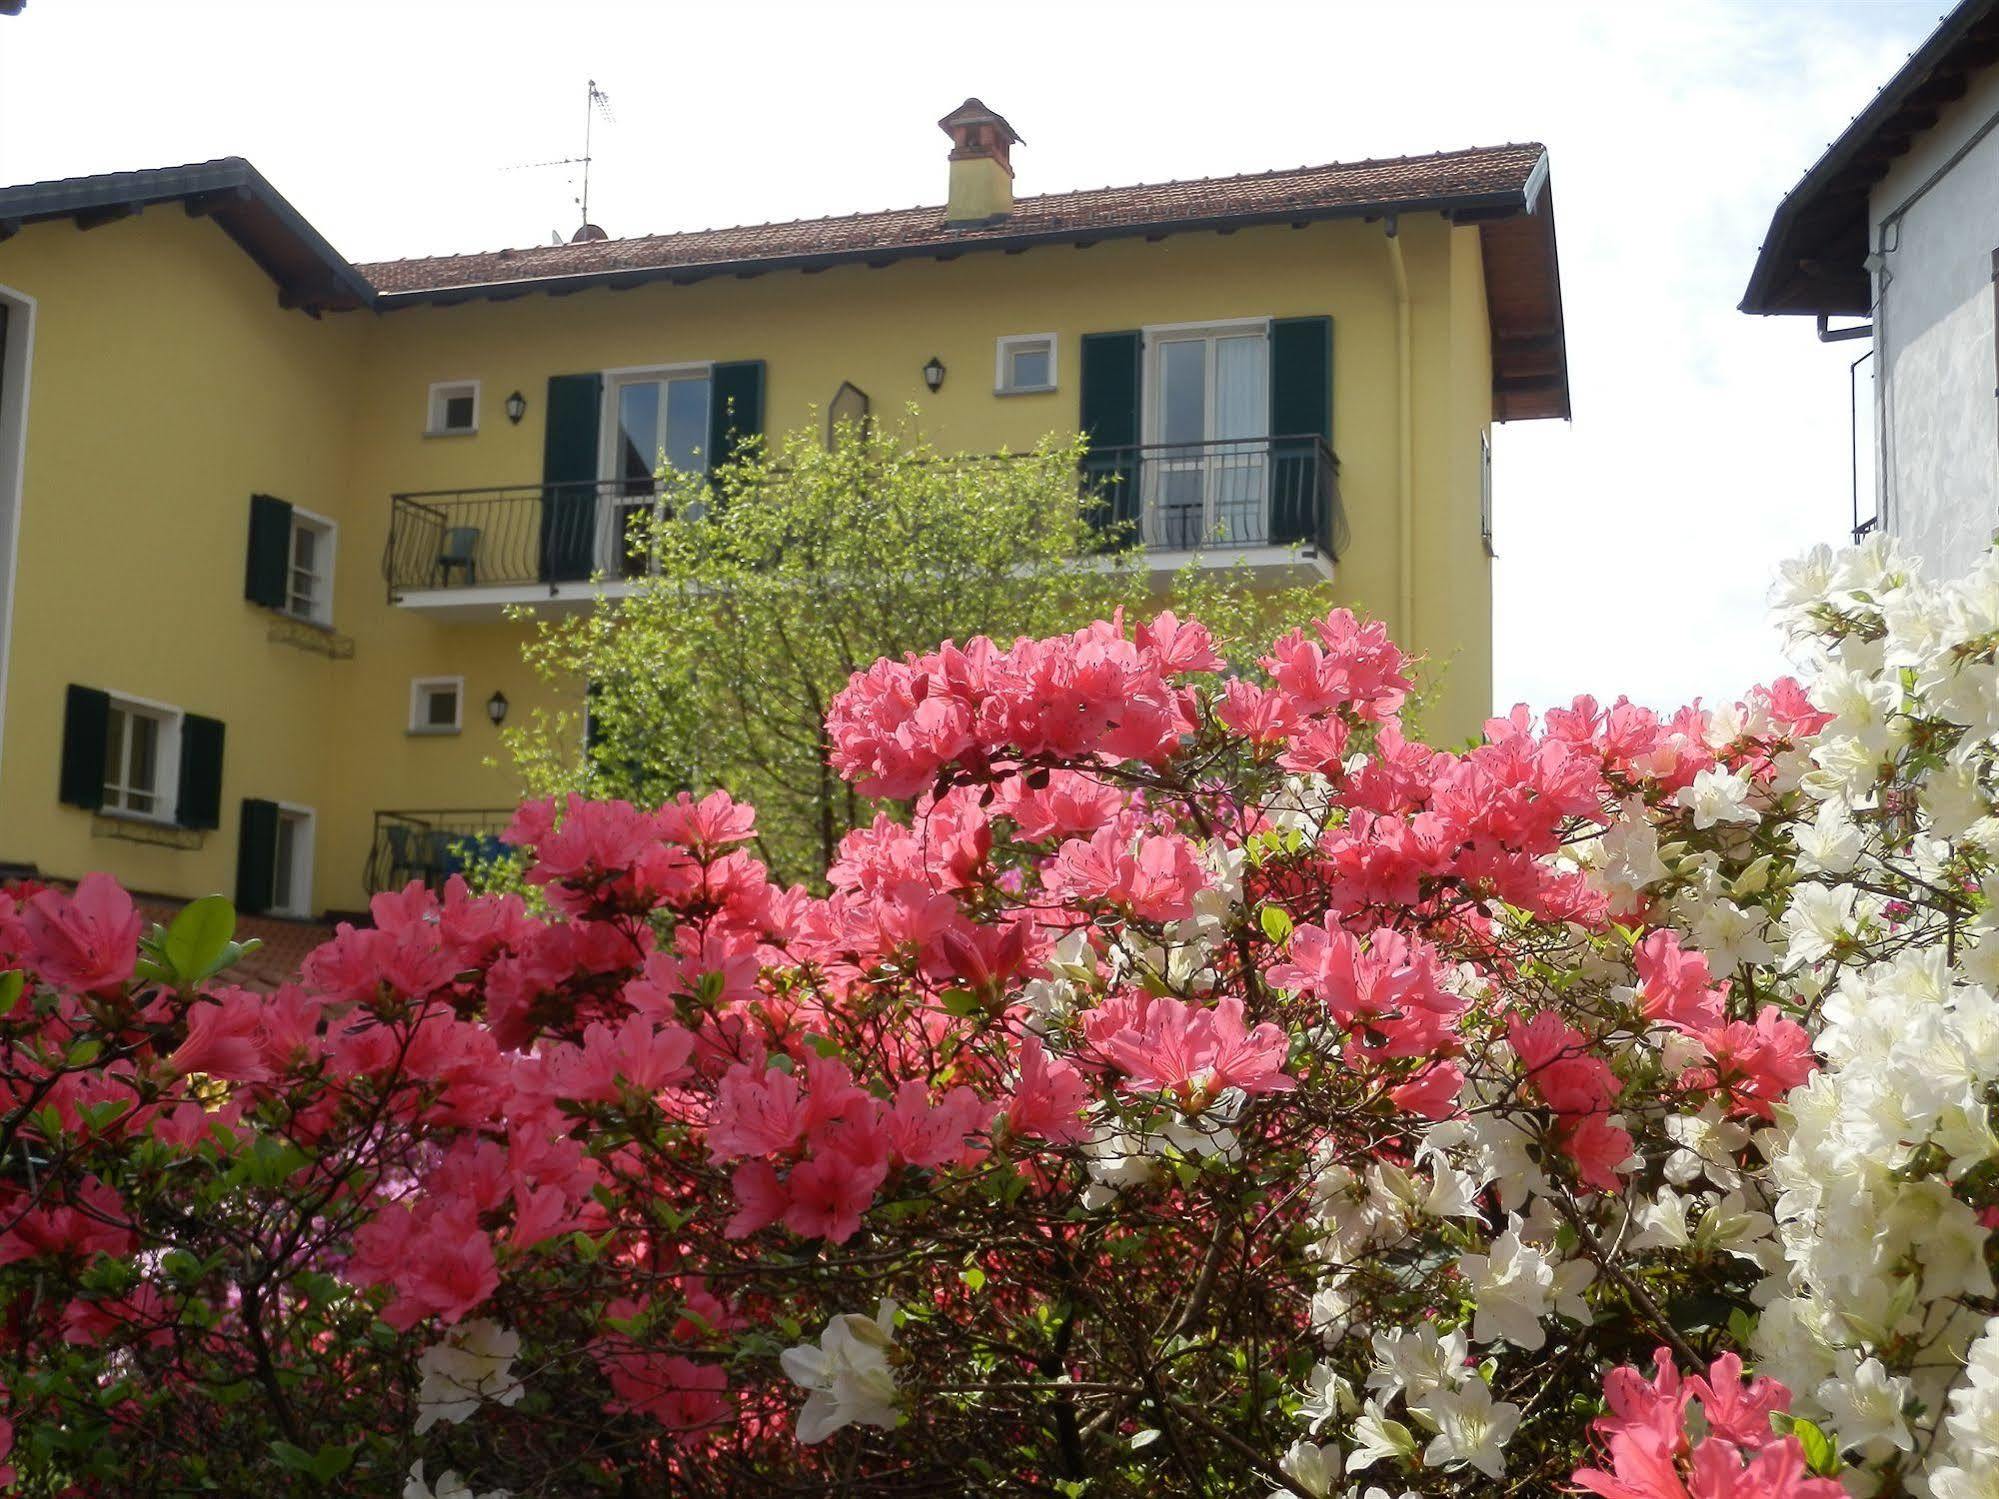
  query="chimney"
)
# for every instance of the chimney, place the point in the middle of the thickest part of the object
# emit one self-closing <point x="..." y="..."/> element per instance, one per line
<point x="981" y="174"/>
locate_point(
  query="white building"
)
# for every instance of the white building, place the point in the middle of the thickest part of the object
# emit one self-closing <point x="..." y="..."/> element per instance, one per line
<point x="1898" y="224"/>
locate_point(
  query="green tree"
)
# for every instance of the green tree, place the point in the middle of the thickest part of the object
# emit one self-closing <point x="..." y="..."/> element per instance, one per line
<point x="781" y="576"/>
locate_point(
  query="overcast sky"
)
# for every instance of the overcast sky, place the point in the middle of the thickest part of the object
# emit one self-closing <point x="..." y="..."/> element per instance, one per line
<point x="1636" y="543"/>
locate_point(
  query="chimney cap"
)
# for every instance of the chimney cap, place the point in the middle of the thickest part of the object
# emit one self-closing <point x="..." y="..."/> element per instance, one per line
<point x="974" y="112"/>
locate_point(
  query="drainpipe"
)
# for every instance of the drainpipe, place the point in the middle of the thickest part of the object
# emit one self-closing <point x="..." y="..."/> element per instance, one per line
<point x="1405" y="462"/>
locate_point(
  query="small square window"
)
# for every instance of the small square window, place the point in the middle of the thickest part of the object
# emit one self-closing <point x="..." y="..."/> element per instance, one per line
<point x="436" y="705"/>
<point x="1026" y="364"/>
<point x="454" y="409"/>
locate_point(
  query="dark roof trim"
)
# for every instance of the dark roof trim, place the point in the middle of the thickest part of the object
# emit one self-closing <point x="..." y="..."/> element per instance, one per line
<point x="310" y="273"/>
<point x="1814" y="259"/>
<point x="1468" y="208"/>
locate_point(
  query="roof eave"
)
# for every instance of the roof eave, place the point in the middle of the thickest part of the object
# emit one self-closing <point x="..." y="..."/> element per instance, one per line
<point x="1466" y="207"/>
<point x="310" y="274"/>
<point x="1788" y="280"/>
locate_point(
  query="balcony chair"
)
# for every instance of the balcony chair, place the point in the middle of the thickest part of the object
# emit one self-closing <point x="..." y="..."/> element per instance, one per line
<point x="459" y="550"/>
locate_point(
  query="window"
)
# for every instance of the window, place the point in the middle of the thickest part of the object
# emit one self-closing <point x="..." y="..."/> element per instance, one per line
<point x="454" y="409"/>
<point x="141" y="759"/>
<point x="1485" y="492"/>
<point x="309" y="578"/>
<point x="657" y="420"/>
<point x="1026" y="364"/>
<point x="1208" y="413"/>
<point x="291" y="864"/>
<point x="437" y="705"/>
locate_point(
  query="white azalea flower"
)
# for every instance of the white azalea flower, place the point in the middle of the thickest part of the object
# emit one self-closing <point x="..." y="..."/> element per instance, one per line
<point x="1866" y="1403"/>
<point x="1313" y="1468"/>
<point x="1413" y="1363"/>
<point x="449" y="1486"/>
<point x="1377" y="1437"/>
<point x="1472" y="1430"/>
<point x="847" y="1375"/>
<point x="1718" y="796"/>
<point x="474" y="1363"/>
<point x="1511" y="1285"/>
<point x="1327" y="1397"/>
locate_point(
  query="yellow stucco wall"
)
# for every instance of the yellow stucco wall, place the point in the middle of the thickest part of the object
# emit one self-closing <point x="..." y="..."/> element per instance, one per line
<point x="169" y="386"/>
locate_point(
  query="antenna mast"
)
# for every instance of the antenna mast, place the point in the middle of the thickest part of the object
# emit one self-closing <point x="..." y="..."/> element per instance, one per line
<point x="597" y="101"/>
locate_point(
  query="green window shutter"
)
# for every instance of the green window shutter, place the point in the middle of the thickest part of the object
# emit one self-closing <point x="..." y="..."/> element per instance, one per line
<point x="256" y="855"/>
<point x="1112" y="385"/>
<point x="569" y="468"/>
<point x="735" y="408"/>
<point x="1301" y="408"/>
<point x="265" y="574"/>
<point x="86" y="725"/>
<point x="200" y="802"/>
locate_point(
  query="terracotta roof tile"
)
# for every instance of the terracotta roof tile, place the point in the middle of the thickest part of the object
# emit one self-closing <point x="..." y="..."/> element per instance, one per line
<point x="1406" y="183"/>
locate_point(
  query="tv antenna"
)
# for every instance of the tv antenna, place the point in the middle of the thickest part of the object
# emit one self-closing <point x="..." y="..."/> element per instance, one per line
<point x="596" y="102"/>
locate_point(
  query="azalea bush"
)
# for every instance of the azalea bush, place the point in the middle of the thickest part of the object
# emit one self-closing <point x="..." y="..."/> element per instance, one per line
<point x="1197" y="1086"/>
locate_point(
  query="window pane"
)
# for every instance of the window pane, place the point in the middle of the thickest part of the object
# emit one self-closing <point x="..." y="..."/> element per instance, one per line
<point x="287" y="851"/>
<point x="1030" y="367"/>
<point x="114" y="759"/>
<point x="1183" y="390"/>
<point x="1242" y="384"/>
<point x="638" y="430"/>
<point x="443" y="704"/>
<point x="305" y="547"/>
<point x="144" y="765"/>
<point x="687" y="425"/>
<point x="457" y="413"/>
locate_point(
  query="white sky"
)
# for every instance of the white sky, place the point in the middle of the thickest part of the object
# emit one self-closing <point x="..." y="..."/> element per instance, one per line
<point x="1636" y="543"/>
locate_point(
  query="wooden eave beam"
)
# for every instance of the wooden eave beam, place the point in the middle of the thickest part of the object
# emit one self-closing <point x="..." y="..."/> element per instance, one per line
<point x="109" y="213"/>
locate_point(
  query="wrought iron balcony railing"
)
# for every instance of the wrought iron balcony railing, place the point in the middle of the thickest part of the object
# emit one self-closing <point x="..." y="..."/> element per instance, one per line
<point x="432" y="846"/>
<point x="515" y="535"/>
<point x="1233" y="493"/>
<point x="1238" y="493"/>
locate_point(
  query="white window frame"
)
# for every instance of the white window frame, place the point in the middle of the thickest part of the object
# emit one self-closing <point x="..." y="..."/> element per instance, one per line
<point x="1003" y="361"/>
<point x="420" y="690"/>
<point x="609" y="548"/>
<point x="306" y="825"/>
<point x="441" y="392"/>
<point x="166" y="760"/>
<point x="329" y="538"/>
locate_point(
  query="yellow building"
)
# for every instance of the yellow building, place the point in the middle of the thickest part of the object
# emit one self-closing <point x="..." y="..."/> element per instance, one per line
<point x="262" y="510"/>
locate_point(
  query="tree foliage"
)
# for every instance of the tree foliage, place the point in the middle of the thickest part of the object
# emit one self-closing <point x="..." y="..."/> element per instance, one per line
<point x="790" y="571"/>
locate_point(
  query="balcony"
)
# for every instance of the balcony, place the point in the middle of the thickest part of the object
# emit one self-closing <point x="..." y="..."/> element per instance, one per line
<point x="432" y="846"/>
<point x="1256" y="500"/>
<point x="468" y="553"/>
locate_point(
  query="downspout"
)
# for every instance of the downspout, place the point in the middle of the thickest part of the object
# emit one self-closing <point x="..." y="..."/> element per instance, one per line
<point x="1405" y="462"/>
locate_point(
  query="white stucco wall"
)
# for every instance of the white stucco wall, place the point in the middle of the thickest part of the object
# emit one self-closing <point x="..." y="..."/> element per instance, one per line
<point x="1938" y="421"/>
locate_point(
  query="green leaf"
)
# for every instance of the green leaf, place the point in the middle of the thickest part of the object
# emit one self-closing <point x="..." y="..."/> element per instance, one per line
<point x="293" y="1457"/>
<point x="974" y="1278"/>
<point x="11" y="985"/>
<point x="331" y="1462"/>
<point x="1819" y="1451"/>
<point x="1145" y="1438"/>
<point x="1276" y="923"/>
<point x="199" y="937"/>
<point x="960" y="1002"/>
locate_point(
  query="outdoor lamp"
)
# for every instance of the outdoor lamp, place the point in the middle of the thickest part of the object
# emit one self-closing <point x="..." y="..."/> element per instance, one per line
<point x="517" y="407"/>
<point x="933" y="372"/>
<point x="496" y="708"/>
